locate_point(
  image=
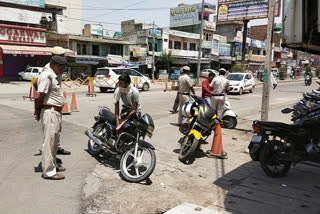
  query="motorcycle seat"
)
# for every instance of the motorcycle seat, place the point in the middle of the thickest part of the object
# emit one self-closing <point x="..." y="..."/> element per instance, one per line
<point x="315" y="97"/>
<point x="278" y="126"/>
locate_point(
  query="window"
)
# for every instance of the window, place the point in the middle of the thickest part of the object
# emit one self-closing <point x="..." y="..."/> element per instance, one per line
<point x="170" y="44"/>
<point x="102" y="72"/>
<point x="248" y="76"/>
<point x="177" y="45"/>
<point x="28" y="70"/>
<point x="150" y="46"/>
<point x="185" y="46"/>
<point x="84" y="49"/>
<point x="35" y="70"/>
<point x="78" y="48"/>
<point x="192" y="46"/>
<point x="165" y="40"/>
<point x="118" y="71"/>
<point x="133" y="73"/>
<point x="95" y="50"/>
<point x="264" y="53"/>
<point x="156" y="47"/>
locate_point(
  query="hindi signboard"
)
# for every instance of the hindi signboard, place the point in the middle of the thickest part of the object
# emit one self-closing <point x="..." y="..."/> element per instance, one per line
<point x="184" y="15"/>
<point x="32" y="3"/>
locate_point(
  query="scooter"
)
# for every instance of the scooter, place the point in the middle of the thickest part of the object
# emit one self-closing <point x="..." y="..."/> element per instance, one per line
<point x="229" y="119"/>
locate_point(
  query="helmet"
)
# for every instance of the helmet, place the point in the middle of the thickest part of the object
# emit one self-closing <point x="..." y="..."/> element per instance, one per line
<point x="187" y="109"/>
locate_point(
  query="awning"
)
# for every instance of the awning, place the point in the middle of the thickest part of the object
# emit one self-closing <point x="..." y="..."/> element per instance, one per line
<point x="30" y="50"/>
<point x="187" y="60"/>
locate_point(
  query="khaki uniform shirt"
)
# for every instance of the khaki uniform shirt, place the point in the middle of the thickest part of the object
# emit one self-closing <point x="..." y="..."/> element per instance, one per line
<point x="185" y="83"/>
<point x="220" y="85"/>
<point x="49" y="83"/>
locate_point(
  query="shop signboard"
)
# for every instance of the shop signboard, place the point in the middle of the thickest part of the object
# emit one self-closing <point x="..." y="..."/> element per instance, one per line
<point x="257" y="58"/>
<point x="184" y="15"/>
<point x="210" y="26"/>
<point x="87" y="60"/>
<point x="185" y="34"/>
<point x="206" y="44"/>
<point x="258" y="44"/>
<point x="114" y="59"/>
<point x="32" y="3"/>
<point x="10" y="34"/>
<point x="109" y="34"/>
<point x="225" y="49"/>
<point x="215" y="45"/>
<point x="155" y="32"/>
<point x="97" y="30"/>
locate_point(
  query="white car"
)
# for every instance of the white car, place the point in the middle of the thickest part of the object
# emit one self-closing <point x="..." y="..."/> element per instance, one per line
<point x="240" y="82"/>
<point x="29" y="73"/>
<point x="205" y="72"/>
<point x="107" y="78"/>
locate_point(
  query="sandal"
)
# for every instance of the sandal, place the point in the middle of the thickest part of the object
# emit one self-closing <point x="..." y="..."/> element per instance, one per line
<point x="55" y="177"/>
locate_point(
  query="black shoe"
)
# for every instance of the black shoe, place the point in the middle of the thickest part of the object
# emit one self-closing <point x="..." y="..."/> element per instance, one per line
<point x="63" y="152"/>
<point x="173" y="112"/>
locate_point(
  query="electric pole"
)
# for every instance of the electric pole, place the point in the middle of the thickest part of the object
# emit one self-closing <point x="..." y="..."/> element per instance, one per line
<point x="153" y="48"/>
<point x="244" y="44"/>
<point x="267" y="68"/>
<point x="200" y="44"/>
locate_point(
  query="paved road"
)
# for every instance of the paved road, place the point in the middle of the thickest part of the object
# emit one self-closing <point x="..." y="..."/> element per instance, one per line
<point x="23" y="190"/>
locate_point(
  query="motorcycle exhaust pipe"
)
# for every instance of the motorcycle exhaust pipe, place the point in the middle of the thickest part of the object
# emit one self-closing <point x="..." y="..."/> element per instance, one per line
<point x="92" y="137"/>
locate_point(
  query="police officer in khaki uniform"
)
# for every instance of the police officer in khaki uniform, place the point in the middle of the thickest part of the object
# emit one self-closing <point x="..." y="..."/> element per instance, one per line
<point x="220" y="88"/>
<point x="57" y="51"/>
<point x="48" y="107"/>
<point x="185" y="87"/>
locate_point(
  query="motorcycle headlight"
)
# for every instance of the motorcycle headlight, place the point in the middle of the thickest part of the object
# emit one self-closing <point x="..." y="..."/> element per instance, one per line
<point x="150" y="130"/>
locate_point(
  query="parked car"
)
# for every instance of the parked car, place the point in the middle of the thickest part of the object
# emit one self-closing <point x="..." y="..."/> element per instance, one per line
<point x="107" y="78"/>
<point x="29" y="73"/>
<point x="205" y="72"/>
<point x="240" y="82"/>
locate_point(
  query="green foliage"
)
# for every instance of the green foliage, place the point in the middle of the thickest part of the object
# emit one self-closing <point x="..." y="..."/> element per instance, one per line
<point x="318" y="71"/>
<point x="308" y="68"/>
<point x="166" y="58"/>
<point x="237" y="68"/>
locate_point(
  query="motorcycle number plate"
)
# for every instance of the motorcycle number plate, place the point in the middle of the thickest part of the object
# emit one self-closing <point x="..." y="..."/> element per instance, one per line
<point x="256" y="139"/>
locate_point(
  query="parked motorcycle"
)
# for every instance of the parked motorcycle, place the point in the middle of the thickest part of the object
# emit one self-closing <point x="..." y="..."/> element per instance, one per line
<point x="278" y="145"/>
<point x="197" y="126"/>
<point x="229" y="119"/>
<point x="138" y="159"/>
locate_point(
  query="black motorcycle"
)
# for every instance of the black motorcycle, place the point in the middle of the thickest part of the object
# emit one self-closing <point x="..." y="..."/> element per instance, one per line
<point x="278" y="145"/>
<point x="138" y="159"/>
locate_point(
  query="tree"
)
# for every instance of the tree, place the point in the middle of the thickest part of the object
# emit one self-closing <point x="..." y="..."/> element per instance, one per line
<point x="166" y="59"/>
<point x="308" y="69"/>
<point x="237" y="68"/>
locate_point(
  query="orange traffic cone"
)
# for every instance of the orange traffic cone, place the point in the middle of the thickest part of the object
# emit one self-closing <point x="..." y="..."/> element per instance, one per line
<point x="74" y="107"/>
<point x="65" y="109"/>
<point x="217" y="148"/>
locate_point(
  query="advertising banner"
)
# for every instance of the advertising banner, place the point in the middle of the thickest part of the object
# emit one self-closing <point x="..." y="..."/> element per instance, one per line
<point x="109" y="34"/>
<point x="225" y="49"/>
<point x="184" y="15"/>
<point x="97" y="30"/>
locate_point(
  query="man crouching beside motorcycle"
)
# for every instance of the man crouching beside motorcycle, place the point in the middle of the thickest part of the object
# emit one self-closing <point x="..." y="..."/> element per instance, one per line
<point x="130" y="101"/>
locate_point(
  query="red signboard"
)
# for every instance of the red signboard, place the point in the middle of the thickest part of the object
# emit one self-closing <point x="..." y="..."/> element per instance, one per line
<point x="10" y="34"/>
<point x="1" y="63"/>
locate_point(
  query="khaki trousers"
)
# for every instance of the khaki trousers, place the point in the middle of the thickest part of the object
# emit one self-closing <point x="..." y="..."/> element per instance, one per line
<point x="217" y="103"/>
<point x="51" y="126"/>
<point x="182" y="100"/>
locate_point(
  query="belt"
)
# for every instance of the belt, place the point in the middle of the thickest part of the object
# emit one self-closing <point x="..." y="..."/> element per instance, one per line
<point x="184" y="93"/>
<point x="218" y="95"/>
<point x="56" y="108"/>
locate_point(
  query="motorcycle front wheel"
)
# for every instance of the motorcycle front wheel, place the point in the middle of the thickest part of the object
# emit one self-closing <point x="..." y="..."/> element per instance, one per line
<point x="271" y="159"/>
<point x="139" y="169"/>
<point x="93" y="148"/>
<point x="187" y="149"/>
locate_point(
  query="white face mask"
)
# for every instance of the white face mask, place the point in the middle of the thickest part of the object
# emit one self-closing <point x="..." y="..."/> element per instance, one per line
<point x="124" y="90"/>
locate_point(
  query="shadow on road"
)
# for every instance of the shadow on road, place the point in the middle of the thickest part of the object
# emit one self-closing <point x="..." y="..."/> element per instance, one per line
<point x="251" y="191"/>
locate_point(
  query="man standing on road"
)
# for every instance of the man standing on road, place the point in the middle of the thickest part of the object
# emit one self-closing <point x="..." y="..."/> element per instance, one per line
<point x="206" y="91"/>
<point x="220" y="87"/>
<point x="185" y="87"/>
<point x="48" y="107"/>
<point x="130" y="98"/>
<point x="57" y="51"/>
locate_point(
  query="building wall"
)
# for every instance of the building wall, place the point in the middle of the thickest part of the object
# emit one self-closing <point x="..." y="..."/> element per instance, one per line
<point x="69" y="26"/>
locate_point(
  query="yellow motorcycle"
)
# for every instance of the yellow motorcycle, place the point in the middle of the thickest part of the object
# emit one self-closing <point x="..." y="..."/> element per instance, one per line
<point x="198" y="124"/>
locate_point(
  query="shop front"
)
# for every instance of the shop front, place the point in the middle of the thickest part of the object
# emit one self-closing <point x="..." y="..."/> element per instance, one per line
<point x="21" y="47"/>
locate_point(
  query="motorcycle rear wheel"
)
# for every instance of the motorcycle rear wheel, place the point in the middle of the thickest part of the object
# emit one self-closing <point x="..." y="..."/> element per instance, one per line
<point x="270" y="159"/>
<point x="187" y="149"/>
<point x="93" y="148"/>
<point x="139" y="170"/>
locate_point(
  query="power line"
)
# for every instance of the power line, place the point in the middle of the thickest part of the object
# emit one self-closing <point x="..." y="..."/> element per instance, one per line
<point x="115" y="11"/>
<point x="121" y="9"/>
